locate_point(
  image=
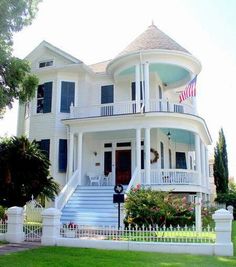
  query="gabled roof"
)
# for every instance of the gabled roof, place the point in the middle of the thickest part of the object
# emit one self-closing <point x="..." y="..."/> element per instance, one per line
<point x="55" y="50"/>
<point x="153" y="38"/>
<point x="99" y="67"/>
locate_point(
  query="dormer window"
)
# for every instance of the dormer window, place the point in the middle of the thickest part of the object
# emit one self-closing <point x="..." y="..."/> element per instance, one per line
<point x="46" y="63"/>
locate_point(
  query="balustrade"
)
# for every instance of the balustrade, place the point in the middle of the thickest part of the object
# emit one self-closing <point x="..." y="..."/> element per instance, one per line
<point x="171" y="176"/>
<point x="128" y="107"/>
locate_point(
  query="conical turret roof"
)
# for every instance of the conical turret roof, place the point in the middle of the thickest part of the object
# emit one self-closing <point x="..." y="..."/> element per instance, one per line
<point x="153" y="38"/>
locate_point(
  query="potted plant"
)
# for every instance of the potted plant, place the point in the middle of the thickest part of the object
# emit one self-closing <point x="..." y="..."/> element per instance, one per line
<point x="70" y="229"/>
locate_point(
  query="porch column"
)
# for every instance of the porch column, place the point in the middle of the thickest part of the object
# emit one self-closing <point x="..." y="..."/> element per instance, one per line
<point x="80" y="154"/>
<point x="198" y="157"/>
<point x="137" y="87"/>
<point x="70" y="156"/>
<point x="147" y="156"/>
<point x="194" y="105"/>
<point x="138" y="154"/>
<point x="146" y="97"/>
<point x="203" y="161"/>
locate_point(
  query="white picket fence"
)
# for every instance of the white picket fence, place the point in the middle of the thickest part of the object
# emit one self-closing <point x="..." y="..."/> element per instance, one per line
<point x="141" y="234"/>
<point x="3" y="226"/>
<point x="157" y="239"/>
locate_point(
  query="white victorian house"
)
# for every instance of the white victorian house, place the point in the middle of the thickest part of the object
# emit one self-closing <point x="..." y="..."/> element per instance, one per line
<point x="117" y="122"/>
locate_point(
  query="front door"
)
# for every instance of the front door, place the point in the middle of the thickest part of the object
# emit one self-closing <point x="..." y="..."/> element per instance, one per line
<point x="123" y="166"/>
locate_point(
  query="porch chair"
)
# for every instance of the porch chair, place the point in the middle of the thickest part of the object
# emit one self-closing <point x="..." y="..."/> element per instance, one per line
<point x="94" y="179"/>
<point x="106" y="180"/>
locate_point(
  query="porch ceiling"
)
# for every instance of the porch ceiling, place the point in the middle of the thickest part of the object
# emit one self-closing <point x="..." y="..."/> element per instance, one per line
<point x="180" y="136"/>
<point x="168" y="73"/>
<point x="177" y="135"/>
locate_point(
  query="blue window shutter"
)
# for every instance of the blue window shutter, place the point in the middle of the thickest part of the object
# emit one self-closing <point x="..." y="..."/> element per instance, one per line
<point x="67" y="96"/>
<point x="47" y="97"/>
<point x="62" y="155"/>
<point x="45" y="147"/>
<point x="107" y="94"/>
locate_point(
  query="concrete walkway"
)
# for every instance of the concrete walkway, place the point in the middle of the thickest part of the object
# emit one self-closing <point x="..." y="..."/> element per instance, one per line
<point x="11" y="248"/>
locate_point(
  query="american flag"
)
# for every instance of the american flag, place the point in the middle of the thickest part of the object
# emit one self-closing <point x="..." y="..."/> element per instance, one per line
<point x="189" y="91"/>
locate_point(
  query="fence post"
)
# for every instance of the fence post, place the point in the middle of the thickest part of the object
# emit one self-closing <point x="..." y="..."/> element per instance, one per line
<point x="51" y="226"/>
<point x="223" y="227"/>
<point x="198" y="213"/>
<point x="15" y="233"/>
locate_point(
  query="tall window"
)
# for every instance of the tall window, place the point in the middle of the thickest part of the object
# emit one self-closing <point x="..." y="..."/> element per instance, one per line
<point x="162" y="156"/>
<point x="160" y="92"/>
<point x="67" y="96"/>
<point x="107" y="97"/>
<point x="44" y="98"/>
<point x="62" y="164"/>
<point x="191" y="162"/>
<point x="44" y="145"/>
<point x="181" y="160"/>
<point x="107" y="162"/>
<point x="170" y="159"/>
<point x="133" y="89"/>
<point x="160" y="97"/>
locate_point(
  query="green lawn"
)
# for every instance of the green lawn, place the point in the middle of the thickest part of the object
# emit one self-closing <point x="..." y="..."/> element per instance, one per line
<point x="70" y="257"/>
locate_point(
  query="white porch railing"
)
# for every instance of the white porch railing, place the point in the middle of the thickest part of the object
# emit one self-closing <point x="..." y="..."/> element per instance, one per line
<point x="67" y="191"/>
<point x="127" y="107"/>
<point x="171" y="176"/>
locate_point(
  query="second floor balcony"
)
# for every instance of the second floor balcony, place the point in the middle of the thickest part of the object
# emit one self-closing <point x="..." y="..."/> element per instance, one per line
<point x="129" y="107"/>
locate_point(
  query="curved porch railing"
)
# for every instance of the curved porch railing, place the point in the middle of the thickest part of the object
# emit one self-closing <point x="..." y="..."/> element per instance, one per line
<point x="128" y="107"/>
<point x="67" y="191"/>
<point x="171" y="176"/>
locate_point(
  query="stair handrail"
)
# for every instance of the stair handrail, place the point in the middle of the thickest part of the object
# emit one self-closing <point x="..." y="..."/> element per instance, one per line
<point x="67" y="191"/>
<point x="131" y="183"/>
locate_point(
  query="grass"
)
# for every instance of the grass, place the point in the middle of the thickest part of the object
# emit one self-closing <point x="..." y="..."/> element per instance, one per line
<point x="70" y="257"/>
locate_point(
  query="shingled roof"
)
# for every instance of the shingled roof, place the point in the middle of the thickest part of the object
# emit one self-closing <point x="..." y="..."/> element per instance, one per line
<point x="153" y="38"/>
<point x="100" y="67"/>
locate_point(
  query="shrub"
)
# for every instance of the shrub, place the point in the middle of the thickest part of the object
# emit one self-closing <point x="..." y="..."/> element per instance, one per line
<point x="148" y="207"/>
<point x="228" y="199"/>
<point x="3" y="215"/>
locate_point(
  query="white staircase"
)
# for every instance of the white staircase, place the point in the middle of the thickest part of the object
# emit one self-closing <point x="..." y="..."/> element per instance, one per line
<point x="91" y="205"/>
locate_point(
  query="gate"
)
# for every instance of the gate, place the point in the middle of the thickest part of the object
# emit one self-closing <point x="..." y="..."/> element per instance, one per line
<point x="33" y="232"/>
<point x="33" y="221"/>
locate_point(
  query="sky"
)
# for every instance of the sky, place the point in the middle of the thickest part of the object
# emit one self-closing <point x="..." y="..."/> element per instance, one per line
<point x="95" y="31"/>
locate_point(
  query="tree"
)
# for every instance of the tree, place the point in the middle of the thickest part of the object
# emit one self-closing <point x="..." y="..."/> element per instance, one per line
<point x="16" y="82"/>
<point x="24" y="171"/>
<point x="221" y="164"/>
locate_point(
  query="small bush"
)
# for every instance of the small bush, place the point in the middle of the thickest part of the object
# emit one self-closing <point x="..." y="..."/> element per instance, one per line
<point x="3" y="215"/>
<point x="228" y="199"/>
<point x="148" y="207"/>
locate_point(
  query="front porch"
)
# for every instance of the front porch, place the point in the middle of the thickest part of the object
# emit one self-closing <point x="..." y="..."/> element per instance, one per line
<point x="157" y="177"/>
<point x="150" y="157"/>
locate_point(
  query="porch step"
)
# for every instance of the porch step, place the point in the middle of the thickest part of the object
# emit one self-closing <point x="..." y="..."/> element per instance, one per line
<point x="91" y="205"/>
